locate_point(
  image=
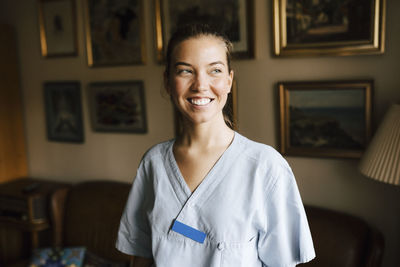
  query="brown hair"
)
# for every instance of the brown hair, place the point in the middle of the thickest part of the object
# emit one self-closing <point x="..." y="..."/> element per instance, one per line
<point x="189" y="31"/>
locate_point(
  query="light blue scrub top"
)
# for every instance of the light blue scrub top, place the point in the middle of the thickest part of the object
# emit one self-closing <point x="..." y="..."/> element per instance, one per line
<point x="248" y="206"/>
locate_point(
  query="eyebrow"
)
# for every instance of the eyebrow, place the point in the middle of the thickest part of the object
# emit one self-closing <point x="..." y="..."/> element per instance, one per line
<point x="189" y="65"/>
<point x="182" y="63"/>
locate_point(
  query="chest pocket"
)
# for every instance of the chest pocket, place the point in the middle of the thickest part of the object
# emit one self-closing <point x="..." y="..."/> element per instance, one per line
<point x="239" y="254"/>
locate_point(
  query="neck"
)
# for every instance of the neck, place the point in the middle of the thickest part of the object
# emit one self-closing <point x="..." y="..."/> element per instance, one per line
<point x="205" y="135"/>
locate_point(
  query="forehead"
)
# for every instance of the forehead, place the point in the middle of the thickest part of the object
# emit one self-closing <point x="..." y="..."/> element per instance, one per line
<point x="203" y="47"/>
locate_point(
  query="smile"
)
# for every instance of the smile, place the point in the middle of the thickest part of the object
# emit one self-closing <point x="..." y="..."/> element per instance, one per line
<point x="200" y="101"/>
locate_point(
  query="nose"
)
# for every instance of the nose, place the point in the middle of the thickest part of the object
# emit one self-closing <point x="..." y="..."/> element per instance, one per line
<point x="200" y="82"/>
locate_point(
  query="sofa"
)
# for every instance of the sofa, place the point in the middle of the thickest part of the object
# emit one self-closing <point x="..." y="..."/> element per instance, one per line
<point x="343" y="240"/>
<point x="88" y="213"/>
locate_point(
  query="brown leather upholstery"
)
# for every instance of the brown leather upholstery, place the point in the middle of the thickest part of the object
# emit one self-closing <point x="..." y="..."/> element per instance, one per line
<point x="343" y="240"/>
<point x="91" y="215"/>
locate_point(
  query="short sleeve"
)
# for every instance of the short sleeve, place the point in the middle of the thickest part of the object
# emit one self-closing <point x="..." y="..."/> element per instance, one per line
<point x="286" y="240"/>
<point x="134" y="235"/>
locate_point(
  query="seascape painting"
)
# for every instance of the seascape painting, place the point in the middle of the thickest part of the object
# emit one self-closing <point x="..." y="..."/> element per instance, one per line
<point x="333" y="119"/>
<point x="323" y="118"/>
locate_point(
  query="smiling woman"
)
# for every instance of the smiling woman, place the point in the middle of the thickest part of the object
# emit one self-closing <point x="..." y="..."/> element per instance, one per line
<point x="211" y="197"/>
<point x="217" y="68"/>
<point x="200" y="80"/>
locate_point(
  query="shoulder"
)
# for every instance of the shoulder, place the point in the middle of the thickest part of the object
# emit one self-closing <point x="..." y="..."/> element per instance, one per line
<point x="262" y="153"/>
<point x="269" y="163"/>
<point x="157" y="151"/>
<point x="152" y="159"/>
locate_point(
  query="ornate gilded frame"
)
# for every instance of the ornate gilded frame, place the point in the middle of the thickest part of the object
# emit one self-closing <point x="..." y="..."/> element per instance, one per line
<point x="57" y="27"/>
<point x="115" y="33"/>
<point x="243" y="48"/>
<point x="293" y="35"/>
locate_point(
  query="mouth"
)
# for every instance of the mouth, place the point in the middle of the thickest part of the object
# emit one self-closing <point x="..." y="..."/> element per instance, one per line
<point x="200" y="101"/>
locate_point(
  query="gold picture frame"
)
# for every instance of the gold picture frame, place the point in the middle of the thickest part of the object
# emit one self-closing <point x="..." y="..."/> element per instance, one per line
<point x="236" y="19"/>
<point x="231" y="107"/>
<point x="325" y="118"/>
<point x="335" y="27"/>
<point x="57" y="27"/>
<point x="118" y="106"/>
<point x="115" y="33"/>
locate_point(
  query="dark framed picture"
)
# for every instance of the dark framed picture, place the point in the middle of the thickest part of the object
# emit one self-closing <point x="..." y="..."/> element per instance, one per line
<point x="328" y="119"/>
<point x="118" y="107"/>
<point x="114" y="32"/>
<point x="63" y="108"/>
<point x="328" y="27"/>
<point x="233" y="17"/>
<point x="57" y="24"/>
<point x="231" y="108"/>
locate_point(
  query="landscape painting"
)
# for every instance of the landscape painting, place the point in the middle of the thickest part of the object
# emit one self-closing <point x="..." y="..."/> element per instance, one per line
<point x="326" y="120"/>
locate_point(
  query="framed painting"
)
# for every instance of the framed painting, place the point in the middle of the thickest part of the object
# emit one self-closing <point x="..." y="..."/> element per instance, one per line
<point x="334" y="27"/>
<point x="57" y="24"/>
<point x="114" y="32"/>
<point x="118" y="107"/>
<point x="328" y="119"/>
<point x="233" y="17"/>
<point x="230" y="109"/>
<point x="63" y="109"/>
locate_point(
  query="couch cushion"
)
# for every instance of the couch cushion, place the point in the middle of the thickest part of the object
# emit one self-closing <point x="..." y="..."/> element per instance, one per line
<point x="92" y="214"/>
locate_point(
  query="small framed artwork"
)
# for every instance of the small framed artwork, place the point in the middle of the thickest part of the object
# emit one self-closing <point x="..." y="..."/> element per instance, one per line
<point x="57" y="23"/>
<point x="230" y="109"/>
<point x="233" y="17"/>
<point x="114" y="32"/>
<point x="328" y="119"/>
<point x="118" y="107"/>
<point x="63" y="111"/>
<point x="336" y="27"/>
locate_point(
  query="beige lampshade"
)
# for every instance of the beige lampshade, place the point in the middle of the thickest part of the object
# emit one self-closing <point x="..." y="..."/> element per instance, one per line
<point x="381" y="160"/>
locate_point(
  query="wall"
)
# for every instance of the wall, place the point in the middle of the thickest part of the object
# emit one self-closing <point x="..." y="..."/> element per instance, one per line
<point x="333" y="183"/>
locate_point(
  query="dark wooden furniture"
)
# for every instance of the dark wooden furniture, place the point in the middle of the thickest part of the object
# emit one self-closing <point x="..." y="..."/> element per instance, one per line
<point x="25" y="216"/>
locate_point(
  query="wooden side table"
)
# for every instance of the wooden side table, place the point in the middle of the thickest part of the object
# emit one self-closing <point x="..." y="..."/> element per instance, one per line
<point x="25" y="207"/>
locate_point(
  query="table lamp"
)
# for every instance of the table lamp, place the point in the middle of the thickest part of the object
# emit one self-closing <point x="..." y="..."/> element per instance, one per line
<point x="381" y="160"/>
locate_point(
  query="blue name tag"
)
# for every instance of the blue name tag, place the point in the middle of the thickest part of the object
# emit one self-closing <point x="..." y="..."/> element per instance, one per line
<point x="188" y="231"/>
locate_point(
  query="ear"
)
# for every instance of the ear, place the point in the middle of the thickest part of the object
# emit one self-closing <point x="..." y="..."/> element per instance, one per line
<point x="230" y="81"/>
<point x="166" y="83"/>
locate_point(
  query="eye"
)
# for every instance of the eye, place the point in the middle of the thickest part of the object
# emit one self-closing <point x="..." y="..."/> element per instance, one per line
<point x="184" y="71"/>
<point x="216" y="71"/>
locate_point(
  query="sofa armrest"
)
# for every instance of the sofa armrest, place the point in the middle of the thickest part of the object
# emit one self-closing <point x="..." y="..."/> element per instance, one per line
<point x="342" y="239"/>
<point x="57" y="203"/>
<point x="376" y="248"/>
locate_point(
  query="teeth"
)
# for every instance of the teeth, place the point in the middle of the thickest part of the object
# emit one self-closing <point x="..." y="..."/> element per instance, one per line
<point x="200" y="101"/>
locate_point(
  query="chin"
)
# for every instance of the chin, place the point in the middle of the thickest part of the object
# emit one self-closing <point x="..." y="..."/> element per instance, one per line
<point x="196" y="120"/>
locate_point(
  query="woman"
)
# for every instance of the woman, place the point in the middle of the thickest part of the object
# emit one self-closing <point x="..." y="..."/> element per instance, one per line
<point x="211" y="197"/>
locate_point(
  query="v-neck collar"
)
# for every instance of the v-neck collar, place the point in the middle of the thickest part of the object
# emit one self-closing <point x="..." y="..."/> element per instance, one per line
<point x="209" y="182"/>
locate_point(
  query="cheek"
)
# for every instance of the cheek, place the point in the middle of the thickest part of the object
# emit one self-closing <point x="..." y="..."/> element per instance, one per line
<point x="177" y="87"/>
<point x="221" y="86"/>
